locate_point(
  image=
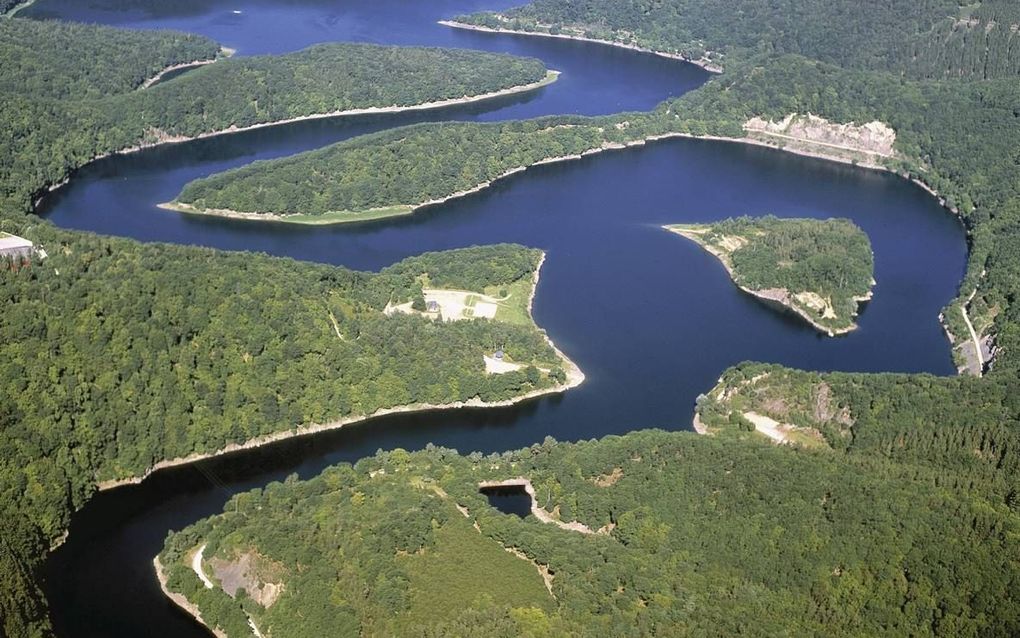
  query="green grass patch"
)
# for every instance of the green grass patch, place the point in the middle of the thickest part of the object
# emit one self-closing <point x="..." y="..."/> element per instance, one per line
<point x="465" y="568"/>
<point x="513" y="301"/>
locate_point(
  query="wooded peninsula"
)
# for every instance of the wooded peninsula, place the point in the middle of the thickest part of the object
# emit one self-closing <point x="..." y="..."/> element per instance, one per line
<point x="904" y="521"/>
<point x="685" y="535"/>
<point x="820" y="269"/>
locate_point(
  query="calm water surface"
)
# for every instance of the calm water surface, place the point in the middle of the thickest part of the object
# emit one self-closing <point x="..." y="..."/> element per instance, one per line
<point x="649" y="317"/>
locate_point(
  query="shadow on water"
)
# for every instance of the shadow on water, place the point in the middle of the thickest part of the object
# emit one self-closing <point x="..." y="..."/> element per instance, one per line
<point x="509" y="500"/>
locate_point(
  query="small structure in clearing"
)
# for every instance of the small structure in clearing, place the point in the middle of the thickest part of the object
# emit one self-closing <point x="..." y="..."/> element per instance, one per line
<point x="451" y="305"/>
<point x="15" y="248"/>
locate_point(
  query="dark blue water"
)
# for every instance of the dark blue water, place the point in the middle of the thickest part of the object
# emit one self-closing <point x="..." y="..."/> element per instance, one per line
<point x="509" y="500"/>
<point x="649" y="317"/>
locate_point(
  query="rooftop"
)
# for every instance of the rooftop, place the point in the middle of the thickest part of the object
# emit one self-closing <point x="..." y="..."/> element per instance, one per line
<point x="8" y="240"/>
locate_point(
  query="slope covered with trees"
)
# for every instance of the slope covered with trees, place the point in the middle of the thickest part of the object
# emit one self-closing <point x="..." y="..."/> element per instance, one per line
<point x="262" y="346"/>
<point x="400" y="168"/>
<point x="821" y="269"/>
<point x="928" y="39"/>
<point x="699" y="536"/>
<point x="60" y="111"/>
<point x="137" y="335"/>
<point x="937" y="454"/>
<point x="69" y="61"/>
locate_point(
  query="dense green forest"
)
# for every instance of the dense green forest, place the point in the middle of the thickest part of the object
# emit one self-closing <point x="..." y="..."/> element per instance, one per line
<point x="398" y="167"/>
<point x="706" y="536"/>
<point x="797" y="262"/>
<point x="918" y="39"/>
<point x="105" y="61"/>
<point x="59" y="111"/>
<point x="253" y="350"/>
<point x="139" y="334"/>
<point x="907" y="526"/>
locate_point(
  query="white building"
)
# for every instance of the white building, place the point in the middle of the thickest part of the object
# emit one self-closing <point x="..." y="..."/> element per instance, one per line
<point x="14" y="247"/>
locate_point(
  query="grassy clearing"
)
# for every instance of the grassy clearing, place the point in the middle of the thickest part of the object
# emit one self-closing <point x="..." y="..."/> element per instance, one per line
<point x="512" y="301"/>
<point x="465" y="569"/>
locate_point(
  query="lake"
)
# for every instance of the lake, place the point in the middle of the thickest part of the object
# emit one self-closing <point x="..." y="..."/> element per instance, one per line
<point x="650" y="318"/>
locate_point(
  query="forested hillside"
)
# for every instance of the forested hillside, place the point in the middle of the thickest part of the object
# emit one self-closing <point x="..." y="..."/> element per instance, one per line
<point x="263" y="345"/>
<point x="919" y="39"/>
<point x="402" y="167"/>
<point x="908" y="526"/>
<point x="59" y="111"/>
<point x="699" y="536"/>
<point x="220" y="348"/>
<point x="821" y="269"/>
<point x="105" y="61"/>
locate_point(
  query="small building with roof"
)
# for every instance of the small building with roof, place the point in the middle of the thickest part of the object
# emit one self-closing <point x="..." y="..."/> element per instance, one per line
<point x="15" y="248"/>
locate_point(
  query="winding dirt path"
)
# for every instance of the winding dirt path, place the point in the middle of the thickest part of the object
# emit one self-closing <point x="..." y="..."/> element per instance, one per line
<point x="977" y="370"/>
<point x="196" y="565"/>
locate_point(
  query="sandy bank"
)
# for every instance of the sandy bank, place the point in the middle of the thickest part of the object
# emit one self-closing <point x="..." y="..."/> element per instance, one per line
<point x="222" y="53"/>
<point x="574" y="378"/>
<point x="178" y="599"/>
<point x="704" y="64"/>
<point x="163" y="138"/>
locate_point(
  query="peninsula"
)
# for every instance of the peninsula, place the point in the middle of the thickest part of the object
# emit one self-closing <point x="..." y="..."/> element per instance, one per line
<point x="477" y="301"/>
<point x="820" y="269"/>
<point x="407" y="543"/>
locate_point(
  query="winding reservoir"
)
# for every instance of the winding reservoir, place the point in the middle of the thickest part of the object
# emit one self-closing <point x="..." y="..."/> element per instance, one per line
<point x="651" y="319"/>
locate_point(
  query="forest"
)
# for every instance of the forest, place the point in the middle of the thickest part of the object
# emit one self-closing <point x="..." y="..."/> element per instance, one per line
<point x="398" y="167"/>
<point x="264" y="345"/>
<point x="699" y="536"/>
<point x="60" y="112"/>
<point x="829" y="259"/>
<point x="937" y="454"/>
<point x="916" y="39"/>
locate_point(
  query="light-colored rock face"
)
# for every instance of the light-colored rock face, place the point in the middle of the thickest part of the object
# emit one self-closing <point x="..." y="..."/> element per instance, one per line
<point x="875" y="138"/>
<point x="817" y="303"/>
<point x="249" y="571"/>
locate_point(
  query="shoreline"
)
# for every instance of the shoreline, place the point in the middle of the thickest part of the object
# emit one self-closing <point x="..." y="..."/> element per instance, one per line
<point x="224" y="52"/>
<point x="18" y="7"/>
<point x="408" y="209"/>
<point x="181" y="600"/>
<point x="771" y="295"/>
<point x="575" y="377"/>
<point x="551" y="76"/>
<point x="704" y="64"/>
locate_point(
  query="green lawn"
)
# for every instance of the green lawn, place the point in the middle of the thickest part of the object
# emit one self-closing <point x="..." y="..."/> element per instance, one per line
<point x="465" y="568"/>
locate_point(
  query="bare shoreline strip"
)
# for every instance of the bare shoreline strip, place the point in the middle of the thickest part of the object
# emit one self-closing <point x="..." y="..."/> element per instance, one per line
<point x="550" y="77"/>
<point x="224" y="52"/>
<point x="181" y="601"/>
<point x="704" y="64"/>
<point x="574" y="378"/>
